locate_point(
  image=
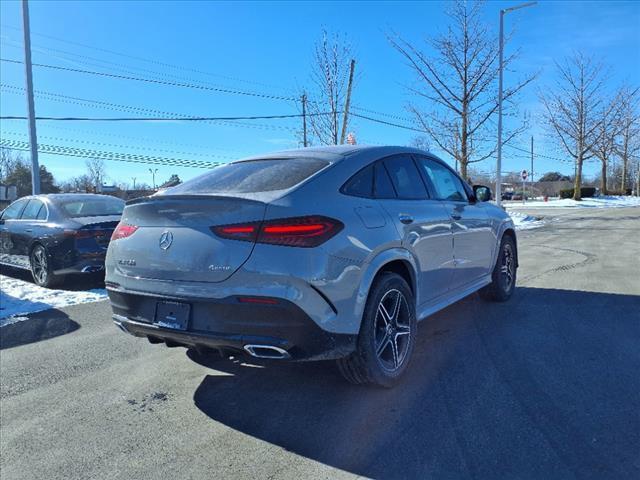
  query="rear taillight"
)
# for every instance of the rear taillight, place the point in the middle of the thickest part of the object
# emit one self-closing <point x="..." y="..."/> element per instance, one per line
<point x="305" y="232"/>
<point x="80" y="234"/>
<point x="123" y="231"/>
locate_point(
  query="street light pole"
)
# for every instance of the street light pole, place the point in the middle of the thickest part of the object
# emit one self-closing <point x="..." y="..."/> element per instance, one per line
<point x="501" y="69"/>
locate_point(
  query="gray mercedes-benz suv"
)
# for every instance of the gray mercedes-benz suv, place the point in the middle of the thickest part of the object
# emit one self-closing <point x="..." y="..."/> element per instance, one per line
<point x="312" y="254"/>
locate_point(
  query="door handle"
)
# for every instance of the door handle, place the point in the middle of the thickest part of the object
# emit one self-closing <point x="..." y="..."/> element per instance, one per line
<point x="406" y="219"/>
<point x="28" y="230"/>
<point x="455" y="216"/>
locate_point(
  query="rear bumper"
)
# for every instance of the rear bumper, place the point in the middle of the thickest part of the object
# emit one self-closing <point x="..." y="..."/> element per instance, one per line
<point x="75" y="261"/>
<point x="88" y="266"/>
<point x="228" y="323"/>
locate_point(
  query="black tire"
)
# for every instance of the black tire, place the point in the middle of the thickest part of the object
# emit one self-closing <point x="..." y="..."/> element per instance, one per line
<point x="386" y="340"/>
<point x="41" y="271"/>
<point x="504" y="273"/>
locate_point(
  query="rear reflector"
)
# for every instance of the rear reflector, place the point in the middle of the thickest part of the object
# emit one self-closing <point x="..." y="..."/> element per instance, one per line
<point x="258" y="300"/>
<point x="123" y="231"/>
<point x="304" y="232"/>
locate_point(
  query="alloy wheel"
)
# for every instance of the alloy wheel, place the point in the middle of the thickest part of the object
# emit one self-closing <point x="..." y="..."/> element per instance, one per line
<point x="39" y="265"/>
<point x="507" y="269"/>
<point x="392" y="330"/>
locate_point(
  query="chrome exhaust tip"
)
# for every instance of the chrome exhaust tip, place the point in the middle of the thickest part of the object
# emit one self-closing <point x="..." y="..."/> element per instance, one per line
<point x="267" y="351"/>
<point x="92" y="269"/>
<point x="121" y="326"/>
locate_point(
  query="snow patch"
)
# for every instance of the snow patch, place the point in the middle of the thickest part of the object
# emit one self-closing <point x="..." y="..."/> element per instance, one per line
<point x="595" y="202"/>
<point x="18" y="297"/>
<point x="523" y="221"/>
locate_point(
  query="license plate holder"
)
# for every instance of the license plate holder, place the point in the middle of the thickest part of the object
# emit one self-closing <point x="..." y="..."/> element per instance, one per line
<point x="173" y="315"/>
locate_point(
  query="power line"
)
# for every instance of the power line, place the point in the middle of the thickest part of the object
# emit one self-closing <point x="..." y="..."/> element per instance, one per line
<point x="388" y="115"/>
<point x="105" y="155"/>
<point x="106" y="144"/>
<point x="129" y="108"/>
<point x="154" y="81"/>
<point x="538" y="154"/>
<point x="138" y="58"/>
<point x="144" y="139"/>
<point x="77" y="58"/>
<point x="161" y="119"/>
<point x="377" y="120"/>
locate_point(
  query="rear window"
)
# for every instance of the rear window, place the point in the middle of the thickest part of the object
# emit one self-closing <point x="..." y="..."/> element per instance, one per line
<point x="252" y="176"/>
<point x="92" y="207"/>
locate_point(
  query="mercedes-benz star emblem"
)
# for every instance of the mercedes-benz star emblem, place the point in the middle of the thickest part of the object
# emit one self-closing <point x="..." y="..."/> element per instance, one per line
<point x="166" y="239"/>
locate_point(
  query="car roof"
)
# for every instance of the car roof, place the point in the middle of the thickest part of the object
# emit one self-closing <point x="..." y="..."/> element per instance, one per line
<point x="336" y="153"/>
<point x="69" y="196"/>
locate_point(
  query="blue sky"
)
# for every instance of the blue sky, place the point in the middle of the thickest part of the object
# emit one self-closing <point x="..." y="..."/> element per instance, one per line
<point x="265" y="47"/>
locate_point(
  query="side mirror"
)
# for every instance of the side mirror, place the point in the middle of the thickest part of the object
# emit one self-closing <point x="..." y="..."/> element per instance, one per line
<point x="482" y="193"/>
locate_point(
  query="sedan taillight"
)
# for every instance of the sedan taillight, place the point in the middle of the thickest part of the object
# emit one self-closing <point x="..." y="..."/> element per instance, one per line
<point x="123" y="231"/>
<point x="304" y="232"/>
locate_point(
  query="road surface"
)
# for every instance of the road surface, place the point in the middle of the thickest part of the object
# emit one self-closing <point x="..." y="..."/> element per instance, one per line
<point x="544" y="386"/>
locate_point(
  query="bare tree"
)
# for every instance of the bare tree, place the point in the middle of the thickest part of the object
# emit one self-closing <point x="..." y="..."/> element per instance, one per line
<point x="606" y="134"/>
<point x="81" y="183"/>
<point x="330" y="75"/>
<point x="576" y="108"/>
<point x="96" y="170"/>
<point x="460" y="83"/>
<point x="628" y="145"/>
<point x="421" y="142"/>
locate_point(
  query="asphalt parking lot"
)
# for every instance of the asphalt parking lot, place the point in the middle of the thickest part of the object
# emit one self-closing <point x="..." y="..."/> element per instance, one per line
<point x="544" y="386"/>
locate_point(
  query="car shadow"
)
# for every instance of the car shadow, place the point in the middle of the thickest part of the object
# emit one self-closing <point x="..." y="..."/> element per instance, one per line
<point x="73" y="283"/>
<point x="36" y="327"/>
<point x="542" y="386"/>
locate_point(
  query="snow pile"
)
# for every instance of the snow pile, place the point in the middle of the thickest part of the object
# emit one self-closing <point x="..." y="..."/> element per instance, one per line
<point x="18" y="297"/>
<point x="595" y="202"/>
<point x="523" y="222"/>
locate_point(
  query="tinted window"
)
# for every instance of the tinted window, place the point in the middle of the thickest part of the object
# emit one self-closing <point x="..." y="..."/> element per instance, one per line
<point x="361" y="184"/>
<point x="92" y="207"/>
<point x="405" y="177"/>
<point x="32" y="210"/>
<point x="13" y="211"/>
<point x="382" y="184"/>
<point x="252" y="176"/>
<point x="447" y="185"/>
<point x="42" y="215"/>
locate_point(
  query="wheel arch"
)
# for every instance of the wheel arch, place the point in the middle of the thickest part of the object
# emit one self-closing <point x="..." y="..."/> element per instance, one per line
<point x="396" y="260"/>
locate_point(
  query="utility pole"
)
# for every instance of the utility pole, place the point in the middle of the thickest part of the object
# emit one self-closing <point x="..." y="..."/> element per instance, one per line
<point x="33" y="139"/>
<point x="347" y="103"/>
<point x="304" y="120"/>
<point x="501" y="69"/>
<point x="134" y="182"/>
<point x="153" y="176"/>
<point x="531" y="171"/>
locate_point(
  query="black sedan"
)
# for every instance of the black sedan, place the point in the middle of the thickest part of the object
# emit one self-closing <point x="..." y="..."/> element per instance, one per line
<point x="56" y="235"/>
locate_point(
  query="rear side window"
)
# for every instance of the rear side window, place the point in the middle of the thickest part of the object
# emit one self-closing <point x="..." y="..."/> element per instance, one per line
<point x="12" y="212"/>
<point x="32" y="210"/>
<point x="252" y="176"/>
<point x="361" y="184"/>
<point x="405" y="177"/>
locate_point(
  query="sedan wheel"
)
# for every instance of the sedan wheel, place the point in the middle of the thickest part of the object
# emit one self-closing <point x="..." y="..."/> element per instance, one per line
<point x="40" y="268"/>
